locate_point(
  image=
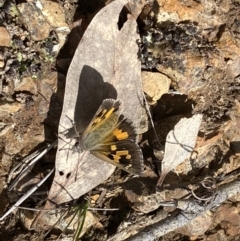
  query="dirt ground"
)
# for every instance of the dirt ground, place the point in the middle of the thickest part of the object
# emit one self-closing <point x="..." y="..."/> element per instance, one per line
<point x="191" y="52"/>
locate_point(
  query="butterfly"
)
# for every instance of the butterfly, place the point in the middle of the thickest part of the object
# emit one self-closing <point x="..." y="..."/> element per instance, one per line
<point x="112" y="138"/>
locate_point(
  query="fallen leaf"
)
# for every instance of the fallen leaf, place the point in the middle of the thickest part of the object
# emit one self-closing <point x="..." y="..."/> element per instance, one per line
<point x="179" y="144"/>
<point x="105" y="65"/>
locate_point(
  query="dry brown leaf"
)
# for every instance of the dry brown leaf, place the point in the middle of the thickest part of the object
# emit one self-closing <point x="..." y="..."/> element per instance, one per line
<point x="179" y="144"/>
<point x="105" y="65"/>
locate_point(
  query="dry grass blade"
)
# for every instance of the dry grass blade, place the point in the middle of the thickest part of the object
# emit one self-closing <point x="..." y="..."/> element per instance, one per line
<point x="179" y="144"/>
<point x="82" y="215"/>
<point x="73" y="216"/>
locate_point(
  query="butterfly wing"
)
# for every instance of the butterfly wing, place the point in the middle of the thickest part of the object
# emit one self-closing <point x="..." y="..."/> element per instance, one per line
<point x="103" y="123"/>
<point x="125" y="154"/>
<point x="104" y="112"/>
<point x="120" y="149"/>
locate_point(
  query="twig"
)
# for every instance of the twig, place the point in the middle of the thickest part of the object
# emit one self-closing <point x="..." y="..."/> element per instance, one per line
<point x="23" y="198"/>
<point x="26" y="163"/>
<point x="190" y="209"/>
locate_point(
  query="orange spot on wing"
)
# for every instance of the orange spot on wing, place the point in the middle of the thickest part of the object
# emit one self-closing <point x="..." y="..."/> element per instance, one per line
<point x="120" y="135"/>
<point x="113" y="148"/>
<point x="123" y="153"/>
<point x="108" y="114"/>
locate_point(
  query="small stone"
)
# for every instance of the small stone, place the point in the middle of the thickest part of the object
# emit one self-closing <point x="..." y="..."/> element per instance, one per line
<point x="55" y="16"/>
<point x="233" y="69"/>
<point x="5" y="37"/>
<point x="155" y="85"/>
<point x="34" y="21"/>
<point x="27" y="84"/>
<point x="199" y="225"/>
<point x="9" y="108"/>
<point x="1" y="64"/>
<point x="52" y="11"/>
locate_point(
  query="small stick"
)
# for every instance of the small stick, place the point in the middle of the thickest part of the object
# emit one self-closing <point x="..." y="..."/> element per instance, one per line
<point x="28" y="165"/>
<point x="23" y="198"/>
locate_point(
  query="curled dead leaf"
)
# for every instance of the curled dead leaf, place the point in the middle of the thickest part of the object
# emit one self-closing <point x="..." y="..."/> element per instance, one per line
<point x="179" y="144"/>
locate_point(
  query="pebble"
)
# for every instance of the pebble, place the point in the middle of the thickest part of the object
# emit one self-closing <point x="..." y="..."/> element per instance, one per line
<point x="34" y="21"/>
<point x="5" y="37"/>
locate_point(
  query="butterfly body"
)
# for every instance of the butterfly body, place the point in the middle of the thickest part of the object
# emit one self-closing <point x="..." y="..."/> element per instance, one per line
<point x="112" y="138"/>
